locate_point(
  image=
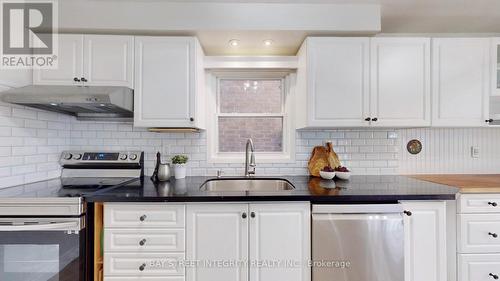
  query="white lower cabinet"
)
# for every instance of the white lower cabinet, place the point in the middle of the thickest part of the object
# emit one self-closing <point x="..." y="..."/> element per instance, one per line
<point x="478" y="237"/>
<point x="425" y="241"/>
<point x="123" y="278"/>
<point x="143" y="264"/>
<point x="485" y="267"/>
<point x="245" y="239"/>
<point x="142" y="241"/>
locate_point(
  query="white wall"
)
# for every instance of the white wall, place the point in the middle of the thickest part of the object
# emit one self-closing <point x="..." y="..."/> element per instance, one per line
<point x="449" y="151"/>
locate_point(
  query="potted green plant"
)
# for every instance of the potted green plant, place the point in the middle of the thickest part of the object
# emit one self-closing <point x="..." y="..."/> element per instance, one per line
<point x="180" y="163"/>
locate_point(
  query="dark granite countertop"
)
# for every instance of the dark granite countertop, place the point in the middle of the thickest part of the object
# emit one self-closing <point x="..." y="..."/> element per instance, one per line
<point x="359" y="189"/>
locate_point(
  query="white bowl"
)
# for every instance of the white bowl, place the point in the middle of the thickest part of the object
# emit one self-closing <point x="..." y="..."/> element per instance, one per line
<point x="343" y="175"/>
<point x="327" y="175"/>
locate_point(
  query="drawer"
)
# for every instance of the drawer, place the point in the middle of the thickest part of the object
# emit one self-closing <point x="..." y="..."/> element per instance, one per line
<point x="163" y="278"/>
<point x="479" y="267"/>
<point x="479" y="203"/>
<point x="144" y="215"/>
<point x="143" y="240"/>
<point x="479" y="233"/>
<point x="143" y="264"/>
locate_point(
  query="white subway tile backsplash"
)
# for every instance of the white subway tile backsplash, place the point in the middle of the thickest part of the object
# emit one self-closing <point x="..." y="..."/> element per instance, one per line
<point x="35" y="123"/>
<point x="31" y="142"/>
<point x="23" y="150"/>
<point x="24" y="113"/>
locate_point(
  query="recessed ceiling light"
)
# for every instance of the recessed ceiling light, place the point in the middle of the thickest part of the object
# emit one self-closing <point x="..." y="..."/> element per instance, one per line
<point x="268" y="42"/>
<point x="53" y="104"/>
<point x="234" y="42"/>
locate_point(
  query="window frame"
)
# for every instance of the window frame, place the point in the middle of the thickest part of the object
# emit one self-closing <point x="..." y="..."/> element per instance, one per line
<point x="287" y="155"/>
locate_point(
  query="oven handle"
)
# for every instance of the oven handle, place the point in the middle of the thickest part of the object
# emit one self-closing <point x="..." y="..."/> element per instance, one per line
<point x="61" y="226"/>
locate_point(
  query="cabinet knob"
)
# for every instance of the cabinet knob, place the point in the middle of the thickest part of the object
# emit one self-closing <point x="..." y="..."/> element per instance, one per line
<point x="494" y="204"/>
<point x="142" y="267"/>
<point x="494" y="276"/>
<point x="408" y="213"/>
<point x="368" y="119"/>
<point x="142" y="242"/>
<point x="244" y="215"/>
<point x="252" y="214"/>
<point x="143" y="218"/>
<point x="83" y="79"/>
<point x="494" y="235"/>
<point x="375" y="119"/>
<point x="191" y="119"/>
<point x="76" y="79"/>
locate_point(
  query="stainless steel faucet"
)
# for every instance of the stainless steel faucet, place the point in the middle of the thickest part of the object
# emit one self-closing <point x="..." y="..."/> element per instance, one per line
<point x="249" y="161"/>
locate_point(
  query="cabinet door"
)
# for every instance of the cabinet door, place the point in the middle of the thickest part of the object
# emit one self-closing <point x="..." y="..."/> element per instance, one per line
<point x="217" y="232"/>
<point x="69" y="61"/>
<point x="108" y="60"/>
<point x="164" y="81"/>
<point x="280" y="232"/>
<point x="400" y="82"/>
<point x="337" y="81"/>
<point x="495" y="63"/>
<point x="425" y="241"/>
<point x="460" y="82"/>
<point x="484" y="267"/>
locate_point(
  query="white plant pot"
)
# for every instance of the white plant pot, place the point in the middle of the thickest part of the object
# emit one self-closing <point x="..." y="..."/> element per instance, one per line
<point x="180" y="171"/>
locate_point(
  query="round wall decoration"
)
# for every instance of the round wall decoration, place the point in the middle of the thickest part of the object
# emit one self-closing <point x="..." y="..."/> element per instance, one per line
<point x="414" y="147"/>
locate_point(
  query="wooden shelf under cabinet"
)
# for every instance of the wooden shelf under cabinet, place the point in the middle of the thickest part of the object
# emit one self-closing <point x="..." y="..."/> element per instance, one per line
<point x="98" y="229"/>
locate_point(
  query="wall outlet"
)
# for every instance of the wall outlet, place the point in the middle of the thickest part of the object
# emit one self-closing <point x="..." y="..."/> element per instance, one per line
<point x="474" y="152"/>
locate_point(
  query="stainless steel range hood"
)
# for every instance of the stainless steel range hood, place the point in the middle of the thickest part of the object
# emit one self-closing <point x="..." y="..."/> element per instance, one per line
<point x="85" y="102"/>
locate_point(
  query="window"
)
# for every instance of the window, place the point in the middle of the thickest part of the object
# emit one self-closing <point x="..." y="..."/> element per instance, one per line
<point x="250" y="105"/>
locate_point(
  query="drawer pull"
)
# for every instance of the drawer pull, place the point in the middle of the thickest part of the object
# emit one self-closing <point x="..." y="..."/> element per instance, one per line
<point x="142" y="267"/>
<point x="408" y="213"/>
<point x="244" y="215"/>
<point x="494" y="276"/>
<point x="493" y="234"/>
<point x="142" y="242"/>
<point x="143" y="218"/>
<point x="494" y="204"/>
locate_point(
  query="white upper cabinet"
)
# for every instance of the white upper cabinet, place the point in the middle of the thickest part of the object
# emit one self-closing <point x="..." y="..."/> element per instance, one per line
<point x="93" y="60"/>
<point x="495" y="66"/>
<point x="69" y="61"/>
<point x="168" y="82"/>
<point x="333" y="76"/>
<point x="461" y="75"/>
<point x="109" y="60"/>
<point x="400" y="82"/>
<point x="425" y="241"/>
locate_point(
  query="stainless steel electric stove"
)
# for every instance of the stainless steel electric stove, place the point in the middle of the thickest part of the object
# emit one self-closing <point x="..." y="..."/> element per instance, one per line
<point x="42" y="224"/>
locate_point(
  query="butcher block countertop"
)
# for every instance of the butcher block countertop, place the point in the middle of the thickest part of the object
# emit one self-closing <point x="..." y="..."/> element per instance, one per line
<point x="466" y="183"/>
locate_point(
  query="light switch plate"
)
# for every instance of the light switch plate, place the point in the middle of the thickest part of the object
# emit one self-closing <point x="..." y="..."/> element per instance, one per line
<point x="474" y="152"/>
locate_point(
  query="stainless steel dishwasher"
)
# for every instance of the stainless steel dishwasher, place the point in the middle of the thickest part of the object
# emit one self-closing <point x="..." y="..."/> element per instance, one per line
<point x="357" y="242"/>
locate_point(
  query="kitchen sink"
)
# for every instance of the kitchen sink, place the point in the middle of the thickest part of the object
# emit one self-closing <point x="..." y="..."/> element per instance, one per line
<point x="247" y="184"/>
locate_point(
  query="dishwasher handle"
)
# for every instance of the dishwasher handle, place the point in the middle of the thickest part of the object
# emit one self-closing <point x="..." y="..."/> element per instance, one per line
<point x="357" y="209"/>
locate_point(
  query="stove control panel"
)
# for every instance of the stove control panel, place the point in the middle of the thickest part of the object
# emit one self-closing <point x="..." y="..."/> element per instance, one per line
<point x="75" y="157"/>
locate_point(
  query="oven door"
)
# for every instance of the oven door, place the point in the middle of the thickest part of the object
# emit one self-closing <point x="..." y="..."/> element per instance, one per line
<point x="42" y="249"/>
